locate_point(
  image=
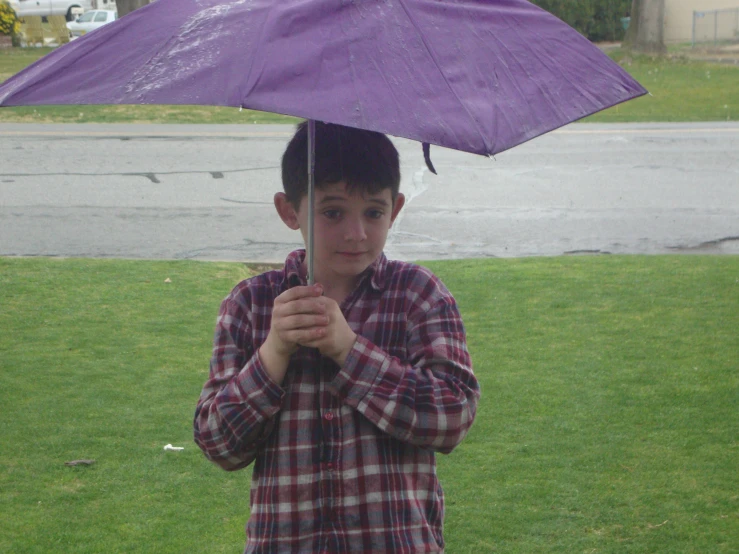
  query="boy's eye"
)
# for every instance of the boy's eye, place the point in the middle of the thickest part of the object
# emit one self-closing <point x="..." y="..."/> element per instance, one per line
<point x="375" y="214"/>
<point x="332" y="214"/>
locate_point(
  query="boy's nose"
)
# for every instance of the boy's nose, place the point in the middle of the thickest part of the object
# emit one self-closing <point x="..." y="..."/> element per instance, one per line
<point x="355" y="230"/>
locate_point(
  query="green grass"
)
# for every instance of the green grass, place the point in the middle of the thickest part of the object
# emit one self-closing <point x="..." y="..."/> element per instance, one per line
<point x="103" y="360"/>
<point x="12" y="60"/>
<point x="682" y="90"/>
<point x="608" y="421"/>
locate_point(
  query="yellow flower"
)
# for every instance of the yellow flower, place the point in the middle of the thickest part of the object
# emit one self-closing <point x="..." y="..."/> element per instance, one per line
<point x="9" y="24"/>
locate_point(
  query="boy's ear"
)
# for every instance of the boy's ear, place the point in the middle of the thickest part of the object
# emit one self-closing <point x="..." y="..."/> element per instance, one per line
<point x="397" y="206"/>
<point x="286" y="211"/>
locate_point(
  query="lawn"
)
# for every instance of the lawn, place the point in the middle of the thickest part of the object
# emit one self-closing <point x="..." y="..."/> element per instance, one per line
<point x="681" y="90"/>
<point x="608" y="421"/>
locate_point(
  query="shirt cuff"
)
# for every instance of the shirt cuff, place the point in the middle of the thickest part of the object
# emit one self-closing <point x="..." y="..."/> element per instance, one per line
<point x="257" y="387"/>
<point x="363" y="367"/>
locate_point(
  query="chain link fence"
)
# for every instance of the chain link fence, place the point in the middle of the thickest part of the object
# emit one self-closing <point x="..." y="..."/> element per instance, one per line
<point x="716" y="26"/>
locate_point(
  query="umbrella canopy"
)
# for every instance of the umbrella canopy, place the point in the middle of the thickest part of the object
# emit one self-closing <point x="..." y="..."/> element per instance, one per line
<point x="479" y="76"/>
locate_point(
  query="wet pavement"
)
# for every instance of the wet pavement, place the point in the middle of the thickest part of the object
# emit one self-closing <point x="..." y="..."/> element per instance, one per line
<point x="205" y="192"/>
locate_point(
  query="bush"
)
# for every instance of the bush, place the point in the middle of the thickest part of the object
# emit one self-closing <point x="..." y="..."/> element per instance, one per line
<point x="9" y="23"/>
<point x="598" y="20"/>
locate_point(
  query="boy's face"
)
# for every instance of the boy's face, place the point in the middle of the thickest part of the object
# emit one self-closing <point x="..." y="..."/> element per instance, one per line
<point x="350" y="229"/>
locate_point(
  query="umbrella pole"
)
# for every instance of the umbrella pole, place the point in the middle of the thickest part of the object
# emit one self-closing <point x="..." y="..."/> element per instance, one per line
<point x="311" y="197"/>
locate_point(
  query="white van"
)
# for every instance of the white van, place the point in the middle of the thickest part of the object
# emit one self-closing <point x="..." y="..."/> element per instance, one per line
<point x="68" y="8"/>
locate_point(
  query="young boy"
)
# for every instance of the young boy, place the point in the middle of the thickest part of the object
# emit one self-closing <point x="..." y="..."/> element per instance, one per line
<point x="340" y="392"/>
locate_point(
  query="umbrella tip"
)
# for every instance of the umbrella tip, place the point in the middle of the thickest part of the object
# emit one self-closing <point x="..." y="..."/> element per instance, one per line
<point x="427" y="157"/>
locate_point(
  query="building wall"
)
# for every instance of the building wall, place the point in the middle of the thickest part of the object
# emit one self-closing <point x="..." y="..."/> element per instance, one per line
<point x="679" y="20"/>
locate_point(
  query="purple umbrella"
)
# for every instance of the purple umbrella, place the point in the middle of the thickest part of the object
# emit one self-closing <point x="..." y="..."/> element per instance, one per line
<point x="479" y="76"/>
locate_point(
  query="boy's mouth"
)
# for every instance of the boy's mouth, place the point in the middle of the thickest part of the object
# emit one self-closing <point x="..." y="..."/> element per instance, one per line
<point x="351" y="254"/>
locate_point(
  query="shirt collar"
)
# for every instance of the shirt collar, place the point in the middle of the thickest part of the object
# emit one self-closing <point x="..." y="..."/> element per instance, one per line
<point x="378" y="271"/>
<point x="295" y="275"/>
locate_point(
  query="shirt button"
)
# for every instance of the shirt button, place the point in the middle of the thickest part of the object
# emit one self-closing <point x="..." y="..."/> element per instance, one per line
<point x="328" y="416"/>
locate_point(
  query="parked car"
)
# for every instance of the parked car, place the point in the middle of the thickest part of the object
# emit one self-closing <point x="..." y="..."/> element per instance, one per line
<point x="89" y="21"/>
<point x="67" y="8"/>
<point x="50" y="7"/>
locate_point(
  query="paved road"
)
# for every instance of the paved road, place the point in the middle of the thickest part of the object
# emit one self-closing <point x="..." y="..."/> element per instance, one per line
<point x="205" y="192"/>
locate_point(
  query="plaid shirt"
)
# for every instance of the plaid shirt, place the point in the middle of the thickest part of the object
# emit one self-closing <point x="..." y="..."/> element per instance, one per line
<point x="343" y="456"/>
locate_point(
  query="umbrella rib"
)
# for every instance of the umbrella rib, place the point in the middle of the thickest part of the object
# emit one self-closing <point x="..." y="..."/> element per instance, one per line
<point x="436" y="63"/>
<point x="354" y="81"/>
<point x="544" y="93"/>
<point x="389" y="88"/>
<point x="262" y="28"/>
<point x="130" y="87"/>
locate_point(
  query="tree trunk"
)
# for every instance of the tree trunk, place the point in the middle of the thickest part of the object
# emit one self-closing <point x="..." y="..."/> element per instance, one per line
<point x="127" y="6"/>
<point x="646" y="32"/>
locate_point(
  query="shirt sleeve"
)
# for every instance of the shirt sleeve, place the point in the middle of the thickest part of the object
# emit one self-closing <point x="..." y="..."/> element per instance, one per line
<point x="428" y="399"/>
<point x="236" y="409"/>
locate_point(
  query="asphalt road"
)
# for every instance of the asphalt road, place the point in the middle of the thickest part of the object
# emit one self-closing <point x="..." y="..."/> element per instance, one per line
<point x="205" y="192"/>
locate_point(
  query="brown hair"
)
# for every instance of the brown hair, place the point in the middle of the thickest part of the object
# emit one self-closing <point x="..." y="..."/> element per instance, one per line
<point x="367" y="161"/>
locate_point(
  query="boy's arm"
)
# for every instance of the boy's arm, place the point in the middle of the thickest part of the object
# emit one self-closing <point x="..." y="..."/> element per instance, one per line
<point x="429" y="399"/>
<point x="236" y="408"/>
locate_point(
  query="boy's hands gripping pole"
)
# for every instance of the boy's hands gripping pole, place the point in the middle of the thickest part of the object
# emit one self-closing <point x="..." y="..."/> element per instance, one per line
<point x="301" y="316"/>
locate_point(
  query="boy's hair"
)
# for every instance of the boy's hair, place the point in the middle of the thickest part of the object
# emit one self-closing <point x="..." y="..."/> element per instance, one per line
<point x="367" y="161"/>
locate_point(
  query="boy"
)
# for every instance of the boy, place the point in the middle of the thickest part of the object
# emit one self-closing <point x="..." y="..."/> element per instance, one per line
<point x="341" y="392"/>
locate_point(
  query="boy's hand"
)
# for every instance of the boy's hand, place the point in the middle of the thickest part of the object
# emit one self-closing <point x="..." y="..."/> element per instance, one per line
<point x="298" y="317"/>
<point x="336" y="339"/>
<point x="302" y="317"/>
